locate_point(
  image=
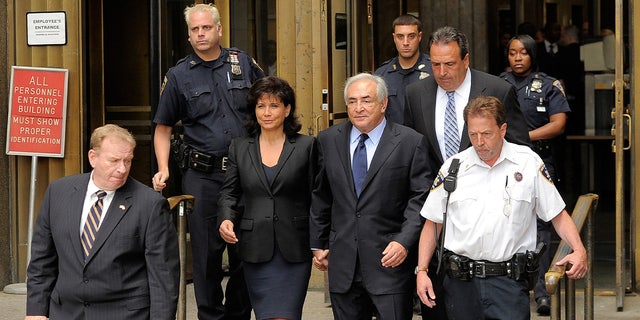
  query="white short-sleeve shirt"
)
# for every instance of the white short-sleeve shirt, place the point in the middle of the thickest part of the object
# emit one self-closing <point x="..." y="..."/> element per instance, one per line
<point x="492" y="213"/>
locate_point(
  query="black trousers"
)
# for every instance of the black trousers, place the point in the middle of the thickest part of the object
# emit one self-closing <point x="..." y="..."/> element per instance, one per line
<point x="207" y="248"/>
<point x="487" y="298"/>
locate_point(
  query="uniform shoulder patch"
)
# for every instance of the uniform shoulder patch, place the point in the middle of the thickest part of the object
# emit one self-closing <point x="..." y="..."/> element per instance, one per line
<point x="255" y="63"/>
<point x="545" y="173"/>
<point x="559" y="86"/>
<point x="164" y="83"/>
<point x="438" y="181"/>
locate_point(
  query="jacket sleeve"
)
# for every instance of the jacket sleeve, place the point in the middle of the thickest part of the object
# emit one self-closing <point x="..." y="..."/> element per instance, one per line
<point x="162" y="260"/>
<point x="517" y="131"/>
<point x="43" y="268"/>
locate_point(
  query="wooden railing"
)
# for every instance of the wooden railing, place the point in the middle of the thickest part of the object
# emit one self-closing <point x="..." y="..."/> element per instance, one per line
<point x="184" y="204"/>
<point x="583" y="212"/>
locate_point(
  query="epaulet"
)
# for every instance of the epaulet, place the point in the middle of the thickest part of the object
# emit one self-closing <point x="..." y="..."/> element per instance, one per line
<point x="234" y="59"/>
<point x="386" y="62"/>
<point x="540" y="74"/>
<point x="183" y="59"/>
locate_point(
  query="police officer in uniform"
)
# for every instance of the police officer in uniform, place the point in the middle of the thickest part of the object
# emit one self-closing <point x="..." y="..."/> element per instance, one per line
<point x="408" y="66"/>
<point x="491" y="201"/>
<point x="206" y="91"/>
<point x="545" y="107"/>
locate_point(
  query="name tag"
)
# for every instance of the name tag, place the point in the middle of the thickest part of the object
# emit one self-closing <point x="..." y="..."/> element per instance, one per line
<point x="541" y="109"/>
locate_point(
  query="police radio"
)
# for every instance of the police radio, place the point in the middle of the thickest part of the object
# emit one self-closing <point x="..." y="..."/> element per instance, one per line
<point x="450" y="180"/>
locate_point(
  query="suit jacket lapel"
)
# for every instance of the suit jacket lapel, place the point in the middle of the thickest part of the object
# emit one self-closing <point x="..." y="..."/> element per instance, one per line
<point x="287" y="151"/>
<point x="429" y="100"/>
<point x="76" y="202"/>
<point x="256" y="161"/>
<point x="117" y="209"/>
<point x="477" y="89"/>
<point x="342" y="141"/>
<point x="388" y="142"/>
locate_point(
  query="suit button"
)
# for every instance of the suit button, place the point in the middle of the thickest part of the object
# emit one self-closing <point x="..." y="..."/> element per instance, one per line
<point x="85" y="280"/>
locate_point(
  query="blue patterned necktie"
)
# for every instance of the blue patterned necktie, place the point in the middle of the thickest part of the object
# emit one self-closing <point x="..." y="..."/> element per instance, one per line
<point x="359" y="165"/>
<point x="451" y="137"/>
<point x="92" y="224"/>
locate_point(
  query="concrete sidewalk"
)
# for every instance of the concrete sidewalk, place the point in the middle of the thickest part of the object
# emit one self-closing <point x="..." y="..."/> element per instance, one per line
<point x="12" y="307"/>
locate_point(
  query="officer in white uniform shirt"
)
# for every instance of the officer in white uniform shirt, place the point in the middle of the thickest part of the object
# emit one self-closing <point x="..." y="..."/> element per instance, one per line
<point x="490" y="232"/>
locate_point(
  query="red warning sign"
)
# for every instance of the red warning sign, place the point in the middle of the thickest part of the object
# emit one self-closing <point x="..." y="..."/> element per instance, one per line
<point x="37" y="112"/>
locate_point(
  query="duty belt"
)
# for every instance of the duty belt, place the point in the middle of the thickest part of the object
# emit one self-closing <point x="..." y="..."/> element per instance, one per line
<point x="463" y="268"/>
<point x="204" y="162"/>
<point x="483" y="269"/>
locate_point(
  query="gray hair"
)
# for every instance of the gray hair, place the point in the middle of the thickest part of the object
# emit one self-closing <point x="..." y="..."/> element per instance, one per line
<point x="201" y="7"/>
<point x="381" y="86"/>
<point x="448" y="34"/>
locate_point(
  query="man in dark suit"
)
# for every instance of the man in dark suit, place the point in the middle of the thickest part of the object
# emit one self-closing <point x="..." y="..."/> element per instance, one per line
<point x="427" y="99"/>
<point x="364" y="208"/>
<point x="104" y="246"/>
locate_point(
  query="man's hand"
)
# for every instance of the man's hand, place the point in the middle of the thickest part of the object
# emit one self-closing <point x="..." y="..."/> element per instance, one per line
<point x="227" y="233"/>
<point x="35" y="318"/>
<point x="393" y="255"/>
<point x="424" y="289"/>
<point x="321" y="259"/>
<point x="160" y="180"/>
<point x="578" y="261"/>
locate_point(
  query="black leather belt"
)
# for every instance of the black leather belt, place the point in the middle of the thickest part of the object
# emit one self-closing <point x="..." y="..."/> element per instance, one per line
<point x="204" y="162"/>
<point x="483" y="269"/>
<point x="461" y="267"/>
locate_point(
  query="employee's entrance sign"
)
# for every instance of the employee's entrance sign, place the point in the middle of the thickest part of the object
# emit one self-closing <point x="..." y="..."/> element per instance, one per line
<point x="37" y="112"/>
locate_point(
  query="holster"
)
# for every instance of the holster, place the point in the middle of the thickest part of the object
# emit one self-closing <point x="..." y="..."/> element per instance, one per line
<point x="457" y="266"/>
<point x="533" y="264"/>
<point x="180" y="152"/>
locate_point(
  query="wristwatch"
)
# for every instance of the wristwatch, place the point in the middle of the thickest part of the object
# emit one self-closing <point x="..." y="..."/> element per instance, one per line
<point x="418" y="269"/>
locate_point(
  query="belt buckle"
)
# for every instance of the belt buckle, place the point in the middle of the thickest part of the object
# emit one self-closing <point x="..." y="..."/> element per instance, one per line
<point x="223" y="163"/>
<point x="479" y="269"/>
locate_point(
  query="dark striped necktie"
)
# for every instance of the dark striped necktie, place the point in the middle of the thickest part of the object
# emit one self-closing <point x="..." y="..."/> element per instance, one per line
<point x="92" y="224"/>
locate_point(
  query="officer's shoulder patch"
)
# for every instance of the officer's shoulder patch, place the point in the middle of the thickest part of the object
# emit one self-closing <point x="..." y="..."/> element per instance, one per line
<point x="559" y="86"/>
<point x="255" y="63"/>
<point x="439" y="180"/>
<point x="545" y="173"/>
<point x="164" y="83"/>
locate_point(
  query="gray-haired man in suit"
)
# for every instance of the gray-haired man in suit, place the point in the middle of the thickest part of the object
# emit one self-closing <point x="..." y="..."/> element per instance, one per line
<point x="365" y="222"/>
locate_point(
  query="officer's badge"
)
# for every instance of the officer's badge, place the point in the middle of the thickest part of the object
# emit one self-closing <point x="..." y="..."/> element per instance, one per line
<point x="545" y="173"/>
<point x="559" y="86"/>
<point x="394" y="67"/>
<point x="421" y="66"/>
<point x="164" y="83"/>
<point x="536" y="85"/>
<point x="438" y="181"/>
<point x="423" y="75"/>
<point x="517" y="176"/>
<point x="235" y="64"/>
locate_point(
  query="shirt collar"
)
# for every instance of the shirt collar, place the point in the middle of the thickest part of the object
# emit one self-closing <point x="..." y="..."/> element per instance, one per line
<point x="507" y="153"/>
<point x="463" y="90"/>
<point x="92" y="188"/>
<point x="374" y="135"/>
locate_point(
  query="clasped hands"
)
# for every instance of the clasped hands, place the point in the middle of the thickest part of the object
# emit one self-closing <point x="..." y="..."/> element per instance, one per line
<point x="392" y="256"/>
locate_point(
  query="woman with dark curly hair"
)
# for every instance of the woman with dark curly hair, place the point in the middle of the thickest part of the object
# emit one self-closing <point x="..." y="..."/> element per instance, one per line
<point x="270" y="173"/>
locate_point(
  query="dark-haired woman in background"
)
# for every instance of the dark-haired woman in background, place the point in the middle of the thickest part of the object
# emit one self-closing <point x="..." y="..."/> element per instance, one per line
<point x="545" y="107"/>
<point x="270" y="172"/>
